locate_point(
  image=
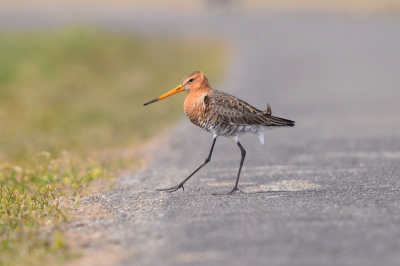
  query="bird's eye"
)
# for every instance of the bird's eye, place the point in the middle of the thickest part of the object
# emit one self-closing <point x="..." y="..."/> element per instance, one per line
<point x="191" y="80"/>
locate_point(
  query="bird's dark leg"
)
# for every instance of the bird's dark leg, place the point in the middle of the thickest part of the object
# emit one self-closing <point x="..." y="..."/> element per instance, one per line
<point x="243" y="151"/>
<point x="235" y="188"/>
<point x="175" y="188"/>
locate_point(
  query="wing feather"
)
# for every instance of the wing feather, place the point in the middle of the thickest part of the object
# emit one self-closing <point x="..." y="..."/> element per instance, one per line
<point x="233" y="111"/>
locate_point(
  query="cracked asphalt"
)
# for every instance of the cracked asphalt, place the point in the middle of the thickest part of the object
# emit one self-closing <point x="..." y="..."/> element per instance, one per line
<point x="325" y="192"/>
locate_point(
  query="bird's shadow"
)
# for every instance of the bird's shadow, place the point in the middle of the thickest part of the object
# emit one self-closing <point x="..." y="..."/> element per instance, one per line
<point x="276" y="192"/>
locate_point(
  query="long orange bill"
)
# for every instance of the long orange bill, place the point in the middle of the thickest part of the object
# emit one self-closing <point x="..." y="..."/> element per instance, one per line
<point x="170" y="93"/>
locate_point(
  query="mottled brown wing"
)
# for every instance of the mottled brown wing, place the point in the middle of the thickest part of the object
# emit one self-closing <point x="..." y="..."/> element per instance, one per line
<point x="237" y="112"/>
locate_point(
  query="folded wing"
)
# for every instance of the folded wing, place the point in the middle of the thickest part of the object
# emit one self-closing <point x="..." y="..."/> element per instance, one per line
<point x="234" y="111"/>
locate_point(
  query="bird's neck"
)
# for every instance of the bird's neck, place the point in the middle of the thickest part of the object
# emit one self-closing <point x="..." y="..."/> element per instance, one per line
<point x="198" y="93"/>
<point x="195" y="99"/>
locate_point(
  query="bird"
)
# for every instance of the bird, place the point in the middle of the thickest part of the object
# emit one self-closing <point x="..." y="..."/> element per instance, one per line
<point x="223" y="115"/>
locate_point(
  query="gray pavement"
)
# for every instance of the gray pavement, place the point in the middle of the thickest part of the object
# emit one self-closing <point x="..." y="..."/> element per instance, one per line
<point x="325" y="192"/>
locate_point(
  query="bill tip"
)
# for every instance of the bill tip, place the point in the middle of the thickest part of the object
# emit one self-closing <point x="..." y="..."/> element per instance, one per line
<point x="152" y="101"/>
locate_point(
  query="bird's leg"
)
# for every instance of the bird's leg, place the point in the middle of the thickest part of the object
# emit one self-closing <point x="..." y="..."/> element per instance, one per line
<point x="235" y="188"/>
<point x="180" y="185"/>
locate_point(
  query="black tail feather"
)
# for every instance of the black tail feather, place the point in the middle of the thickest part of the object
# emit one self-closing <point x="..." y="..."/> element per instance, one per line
<point x="280" y="122"/>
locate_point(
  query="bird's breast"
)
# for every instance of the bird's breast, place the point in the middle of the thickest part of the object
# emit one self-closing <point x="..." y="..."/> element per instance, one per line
<point x="195" y="110"/>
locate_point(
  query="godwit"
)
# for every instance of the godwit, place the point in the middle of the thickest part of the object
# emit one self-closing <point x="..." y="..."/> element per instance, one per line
<point x="223" y="115"/>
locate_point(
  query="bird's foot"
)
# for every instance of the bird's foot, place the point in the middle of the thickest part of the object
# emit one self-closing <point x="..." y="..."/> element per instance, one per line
<point x="172" y="189"/>
<point x="230" y="192"/>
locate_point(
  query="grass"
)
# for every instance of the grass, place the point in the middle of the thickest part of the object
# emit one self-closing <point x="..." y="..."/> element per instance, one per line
<point x="70" y="108"/>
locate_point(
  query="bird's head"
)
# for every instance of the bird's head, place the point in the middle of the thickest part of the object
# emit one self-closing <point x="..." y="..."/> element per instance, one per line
<point x="192" y="82"/>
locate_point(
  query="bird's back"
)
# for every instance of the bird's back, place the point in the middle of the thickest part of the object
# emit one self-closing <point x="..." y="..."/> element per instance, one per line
<point x="226" y="115"/>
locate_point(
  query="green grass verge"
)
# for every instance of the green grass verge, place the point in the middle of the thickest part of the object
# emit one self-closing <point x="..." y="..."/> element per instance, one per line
<point x="70" y="106"/>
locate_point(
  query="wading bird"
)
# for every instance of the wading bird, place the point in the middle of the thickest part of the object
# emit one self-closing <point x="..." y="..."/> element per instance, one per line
<point x="222" y="115"/>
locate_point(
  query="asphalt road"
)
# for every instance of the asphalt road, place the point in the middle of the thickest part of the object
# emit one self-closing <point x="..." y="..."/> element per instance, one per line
<point x="325" y="192"/>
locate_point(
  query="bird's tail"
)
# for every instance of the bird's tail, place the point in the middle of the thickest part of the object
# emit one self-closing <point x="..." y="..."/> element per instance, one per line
<point x="276" y="121"/>
<point x="280" y="122"/>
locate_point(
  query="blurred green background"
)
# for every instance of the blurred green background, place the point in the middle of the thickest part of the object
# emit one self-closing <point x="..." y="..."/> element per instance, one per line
<point x="79" y="89"/>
